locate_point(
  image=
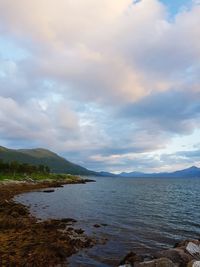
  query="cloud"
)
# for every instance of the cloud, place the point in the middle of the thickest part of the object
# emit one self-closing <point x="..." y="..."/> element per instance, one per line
<point x="104" y="79"/>
<point x="35" y="122"/>
<point x="172" y="111"/>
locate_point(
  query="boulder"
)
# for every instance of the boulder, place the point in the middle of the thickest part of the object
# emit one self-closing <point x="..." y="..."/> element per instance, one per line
<point x="190" y="264"/>
<point x="176" y="255"/>
<point x="194" y="263"/>
<point x="131" y="258"/>
<point x="162" y="262"/>
<point x="183" y="244"/>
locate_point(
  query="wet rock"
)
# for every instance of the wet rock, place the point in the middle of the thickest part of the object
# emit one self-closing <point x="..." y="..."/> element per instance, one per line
<point x="183" y="244"/>
<point x="104" y="224"/>
<point x="53" y="225"/>
<point x="59" y="186"/>
<point x="97" y="225"/>
<point x="83" y="181"/>
<point x="79" y="231"/>
<point x="68" y="220"/>
<point x="48" y="191"/>
<point x="131" y="258"/>
<point x="176" y="255"/>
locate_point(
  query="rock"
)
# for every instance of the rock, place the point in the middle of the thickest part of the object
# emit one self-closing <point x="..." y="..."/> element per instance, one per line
<point x="88" y="180"/>
<point x="48" y="191"/>
<point x="184" y="243"/>
<point x="131" y="258"/>
<point x="97" y="225"/>
<point x="176" y="255"/>
<point x="79" y="231"/>
<point x="162" y="262"/>
<point x="68" y="220"/>
<point x="194" y="263"/>
<point x="59" y="186"/>
<point x="190" y="264"/>
<point x="104" y="224"/>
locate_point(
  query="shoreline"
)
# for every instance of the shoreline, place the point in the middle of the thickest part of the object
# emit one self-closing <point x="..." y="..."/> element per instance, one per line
<point x="177" y="256"/>
<point x="24" y="241"/>
<point x="27" y="241"/>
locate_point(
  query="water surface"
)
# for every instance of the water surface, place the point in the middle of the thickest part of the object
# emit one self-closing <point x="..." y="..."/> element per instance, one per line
<point x="143" y="215"/>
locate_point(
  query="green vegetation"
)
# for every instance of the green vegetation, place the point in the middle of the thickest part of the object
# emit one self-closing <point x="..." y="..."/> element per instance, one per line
<point x="40" y="177"/>
<point x="45" y="157"/>
<point x="23" y="171"/>
<point x="17" y="167"/>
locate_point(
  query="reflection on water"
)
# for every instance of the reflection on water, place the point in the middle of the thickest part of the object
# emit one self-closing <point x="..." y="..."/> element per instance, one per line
<point x="142" y="214"/>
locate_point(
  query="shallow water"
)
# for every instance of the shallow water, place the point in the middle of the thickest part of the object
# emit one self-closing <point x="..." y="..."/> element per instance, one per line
<point x="143" y="215"/>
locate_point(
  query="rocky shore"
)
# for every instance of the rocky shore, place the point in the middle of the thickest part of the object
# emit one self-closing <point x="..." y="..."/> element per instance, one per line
<point x="178" y="256"/>
<point x="25" y="241"/>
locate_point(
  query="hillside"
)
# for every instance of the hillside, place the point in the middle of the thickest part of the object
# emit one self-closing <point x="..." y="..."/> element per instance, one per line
<point x="46" y="157"/>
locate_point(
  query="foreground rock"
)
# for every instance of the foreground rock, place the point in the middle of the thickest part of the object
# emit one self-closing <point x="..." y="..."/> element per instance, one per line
<point x="174" y="257"/>
<point x="26" y="242"/>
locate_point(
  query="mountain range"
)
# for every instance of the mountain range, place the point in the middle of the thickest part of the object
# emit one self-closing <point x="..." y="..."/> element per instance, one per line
<point x="43" y="156"/>
<point x="59" y="164"/>
<point x="190" y="172"/>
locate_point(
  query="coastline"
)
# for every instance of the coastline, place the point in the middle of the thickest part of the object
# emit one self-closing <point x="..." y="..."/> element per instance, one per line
<point x="26" y="242"/>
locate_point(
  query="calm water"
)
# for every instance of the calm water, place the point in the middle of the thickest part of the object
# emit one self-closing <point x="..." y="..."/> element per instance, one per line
<point x="143" y="215"/>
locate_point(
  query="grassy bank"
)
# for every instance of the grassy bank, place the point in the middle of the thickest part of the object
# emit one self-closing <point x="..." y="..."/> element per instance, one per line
<point x="37" y="177"/>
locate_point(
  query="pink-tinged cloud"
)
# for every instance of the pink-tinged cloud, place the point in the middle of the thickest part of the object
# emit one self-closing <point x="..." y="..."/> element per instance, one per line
<point x="103" y="79"/>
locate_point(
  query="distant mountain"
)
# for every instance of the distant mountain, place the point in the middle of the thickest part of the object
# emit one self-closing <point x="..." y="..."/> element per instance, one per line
<point x="59" y="164"/>
<point x="132" y="174"/>
<point x="191" y="172"/>
<point x="46" y="157"/>
<point x="107" y="174"/>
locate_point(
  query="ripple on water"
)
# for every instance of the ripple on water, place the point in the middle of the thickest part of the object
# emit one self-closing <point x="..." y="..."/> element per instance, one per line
<point x="142" y="214"/>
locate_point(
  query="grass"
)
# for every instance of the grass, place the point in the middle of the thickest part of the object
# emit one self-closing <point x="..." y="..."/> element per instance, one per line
<point x="38" y="177"/>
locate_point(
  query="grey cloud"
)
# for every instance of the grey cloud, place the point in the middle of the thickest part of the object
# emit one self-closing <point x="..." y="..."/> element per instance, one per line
<point x="121" y="82"/>
<point x="193" y="154"/>
<point x="174" y="111"/>
<point x="29" y="122"/>
<point x="137" y="163"/>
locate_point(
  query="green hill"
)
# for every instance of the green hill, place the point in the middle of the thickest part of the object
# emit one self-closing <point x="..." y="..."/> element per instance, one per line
<point x="39" y="156"/>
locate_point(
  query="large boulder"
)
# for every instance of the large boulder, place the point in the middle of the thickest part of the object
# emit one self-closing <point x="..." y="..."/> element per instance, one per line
<point x="183" y="244"/>
<point x="177" y="255"/>
<point x="194" y="263"/>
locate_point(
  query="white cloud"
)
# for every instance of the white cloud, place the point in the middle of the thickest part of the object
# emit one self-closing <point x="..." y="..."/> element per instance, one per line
<point x="52" y="127"/>
<point x="86" y="62"/>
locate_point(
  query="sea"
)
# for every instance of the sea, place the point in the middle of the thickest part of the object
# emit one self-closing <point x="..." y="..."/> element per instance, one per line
<point x="143" y="215"/>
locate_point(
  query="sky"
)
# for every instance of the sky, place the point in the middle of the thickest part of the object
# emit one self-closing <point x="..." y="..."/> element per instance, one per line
<point x="110" y="85"/>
